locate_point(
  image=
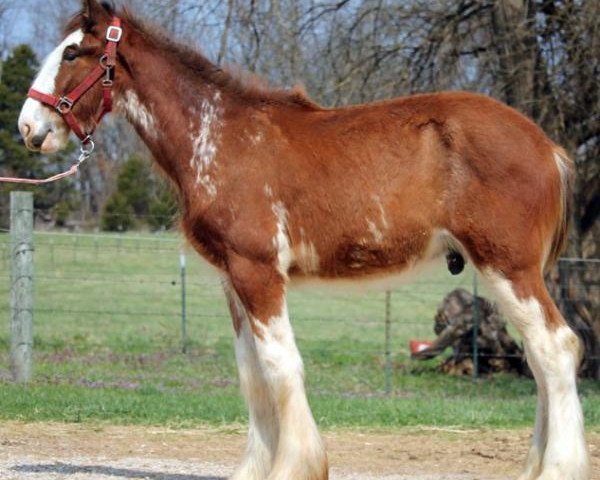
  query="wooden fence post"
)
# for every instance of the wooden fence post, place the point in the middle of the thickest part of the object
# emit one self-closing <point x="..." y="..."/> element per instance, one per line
<point x="21" y="293"/>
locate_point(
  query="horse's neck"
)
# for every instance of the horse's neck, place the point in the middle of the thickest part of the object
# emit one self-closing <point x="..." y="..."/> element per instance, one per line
<point x="170" y="112"/>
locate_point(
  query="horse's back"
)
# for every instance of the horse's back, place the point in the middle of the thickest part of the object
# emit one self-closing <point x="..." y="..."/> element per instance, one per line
<point x="394" y="174"/>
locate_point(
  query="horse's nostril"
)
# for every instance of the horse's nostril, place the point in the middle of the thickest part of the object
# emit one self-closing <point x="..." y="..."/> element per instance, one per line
<point x="26" y="130"/>
<point x="38" y="140"/>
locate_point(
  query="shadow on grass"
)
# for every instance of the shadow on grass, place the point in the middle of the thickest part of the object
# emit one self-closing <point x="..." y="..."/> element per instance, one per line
<point x="68" y="469"/>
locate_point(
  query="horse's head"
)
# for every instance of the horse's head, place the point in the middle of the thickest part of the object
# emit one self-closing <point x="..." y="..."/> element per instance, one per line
<point x="42" y="120"/>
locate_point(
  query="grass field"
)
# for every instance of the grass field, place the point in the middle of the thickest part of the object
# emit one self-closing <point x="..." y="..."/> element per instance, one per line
<point x="108" y="336"/>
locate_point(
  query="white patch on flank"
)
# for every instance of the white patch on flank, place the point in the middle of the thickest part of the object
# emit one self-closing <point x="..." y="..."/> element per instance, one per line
<point x="377" y="229"/>
<point x="281" y="241"/>
<point x="39" y="118"/>
<point x="377" y="235"/>
<point x="306" y="255"/>
<point x="204" y="142"/>
<point x="308" y="258"/>
<point x="138" y="114"/>
<point x="558" y="448"/>
<point x="268" y="190"/>
<point x="382" y="216"/>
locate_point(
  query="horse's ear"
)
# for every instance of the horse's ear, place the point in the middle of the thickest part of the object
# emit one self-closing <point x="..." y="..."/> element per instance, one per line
<point x="94" y="12"/>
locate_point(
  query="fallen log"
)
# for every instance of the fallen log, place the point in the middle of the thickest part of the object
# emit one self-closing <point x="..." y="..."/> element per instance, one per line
<point x="497" y="350"/>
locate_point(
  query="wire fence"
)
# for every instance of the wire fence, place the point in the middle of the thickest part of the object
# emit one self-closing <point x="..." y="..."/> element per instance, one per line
<point x="149" y="292"/>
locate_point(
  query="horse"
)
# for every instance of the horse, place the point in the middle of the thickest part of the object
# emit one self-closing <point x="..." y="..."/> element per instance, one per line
<point x="275" y="189"/>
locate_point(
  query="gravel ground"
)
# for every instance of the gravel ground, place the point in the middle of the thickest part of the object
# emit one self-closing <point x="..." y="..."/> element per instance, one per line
<point x="51" y="451"/>
<point x="155" y="469"/>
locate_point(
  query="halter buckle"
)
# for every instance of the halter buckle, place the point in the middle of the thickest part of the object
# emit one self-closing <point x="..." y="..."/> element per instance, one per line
<point x="114" y="34"/>
<point x="64" y="105"/>
<point x="108" y="81"/>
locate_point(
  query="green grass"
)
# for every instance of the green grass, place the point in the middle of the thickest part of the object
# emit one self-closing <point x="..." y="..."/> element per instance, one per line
<point x="107" y="347"/>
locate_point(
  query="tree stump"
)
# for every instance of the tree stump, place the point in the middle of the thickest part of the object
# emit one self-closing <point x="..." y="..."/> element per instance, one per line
<point x="497" y="350"/>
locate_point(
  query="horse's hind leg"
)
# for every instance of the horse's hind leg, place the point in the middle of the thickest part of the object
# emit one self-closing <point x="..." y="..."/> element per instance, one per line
<point x="533" y="464"/>
<point x="559" y="450"/>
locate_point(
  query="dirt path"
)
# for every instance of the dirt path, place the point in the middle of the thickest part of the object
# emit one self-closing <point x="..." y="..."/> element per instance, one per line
<point x="48" y="451"/>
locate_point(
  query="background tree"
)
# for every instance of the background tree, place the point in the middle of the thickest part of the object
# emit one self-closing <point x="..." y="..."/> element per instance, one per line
<point x="140" y="198"/>
<point x="15" y="159"/>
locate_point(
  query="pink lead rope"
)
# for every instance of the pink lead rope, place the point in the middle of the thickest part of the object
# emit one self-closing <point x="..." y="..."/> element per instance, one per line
<point x="85" y="152"/>
<point x="33" y="181"/>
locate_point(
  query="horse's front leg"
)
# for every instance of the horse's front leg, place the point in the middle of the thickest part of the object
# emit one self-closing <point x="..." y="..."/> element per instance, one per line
<point x="263" y="427"/>
<point x="283" y="441"/>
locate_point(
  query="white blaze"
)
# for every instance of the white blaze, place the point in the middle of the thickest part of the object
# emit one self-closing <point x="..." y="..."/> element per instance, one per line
<point x="39" y="118"/>
<point x="45" y="81"/>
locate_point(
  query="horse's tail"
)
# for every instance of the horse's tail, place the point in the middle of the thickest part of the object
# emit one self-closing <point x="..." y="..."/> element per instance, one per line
<point x="561" y="232"/>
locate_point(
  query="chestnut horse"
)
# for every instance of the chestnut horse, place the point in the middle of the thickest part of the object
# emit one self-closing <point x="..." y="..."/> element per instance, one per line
<point x="275" y="188"/>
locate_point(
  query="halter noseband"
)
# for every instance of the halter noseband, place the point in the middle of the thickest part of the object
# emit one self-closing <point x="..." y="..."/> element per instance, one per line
<point x="64" y="105"/>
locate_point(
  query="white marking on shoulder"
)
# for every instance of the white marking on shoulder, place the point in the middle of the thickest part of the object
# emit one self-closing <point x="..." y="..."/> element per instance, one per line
<point x="257" y="138"/>
<point x="204" y="142"/>
<point x="268" y="190"/>
<point x="138" y="114"/>
<point x="45" y="81"/>
<point x="281" y="241"/>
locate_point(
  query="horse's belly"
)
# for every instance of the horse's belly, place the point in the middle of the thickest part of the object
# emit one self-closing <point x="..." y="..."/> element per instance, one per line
<point x="368" y="266"/>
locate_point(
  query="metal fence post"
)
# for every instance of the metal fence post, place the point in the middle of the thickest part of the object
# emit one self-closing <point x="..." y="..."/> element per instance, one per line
<point x="21" y="293"/>
<point x="475" y="330"/>
<point x="183" y="303"/>
<point x="388" y="349"/>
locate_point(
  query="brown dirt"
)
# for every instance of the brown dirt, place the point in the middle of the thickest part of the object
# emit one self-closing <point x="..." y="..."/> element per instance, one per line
<point x="53" y="450"/>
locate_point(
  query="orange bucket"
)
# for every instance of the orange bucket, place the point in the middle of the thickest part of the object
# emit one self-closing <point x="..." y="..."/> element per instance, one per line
<point x="417" y="346"/>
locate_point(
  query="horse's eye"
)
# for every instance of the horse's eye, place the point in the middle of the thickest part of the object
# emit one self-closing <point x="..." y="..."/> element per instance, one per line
<point x="69" y="54"/>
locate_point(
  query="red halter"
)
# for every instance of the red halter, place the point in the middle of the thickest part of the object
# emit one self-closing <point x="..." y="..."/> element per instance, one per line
<point x="64" y="105"/>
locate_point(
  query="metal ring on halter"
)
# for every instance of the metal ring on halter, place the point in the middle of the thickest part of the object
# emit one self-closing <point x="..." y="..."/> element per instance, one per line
<point x="87" y="146"/>
<point x="104" y="61"/>
<point x="64" y="105"/>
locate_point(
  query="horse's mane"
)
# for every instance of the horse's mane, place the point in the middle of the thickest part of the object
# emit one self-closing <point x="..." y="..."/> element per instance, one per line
<point x="233" y="80"/>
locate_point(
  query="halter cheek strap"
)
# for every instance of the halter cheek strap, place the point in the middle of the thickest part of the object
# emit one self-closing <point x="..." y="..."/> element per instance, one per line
<point x="105" y="68"/>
